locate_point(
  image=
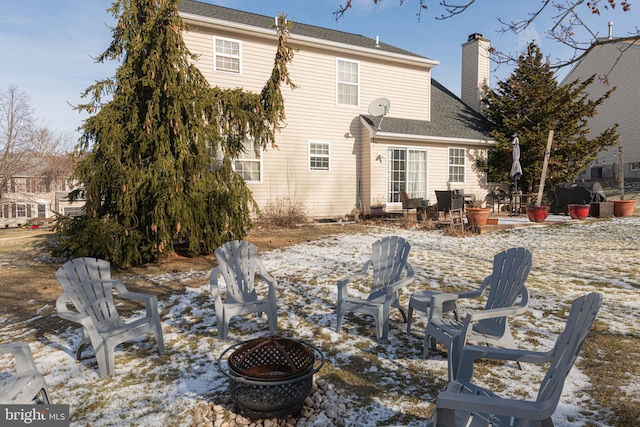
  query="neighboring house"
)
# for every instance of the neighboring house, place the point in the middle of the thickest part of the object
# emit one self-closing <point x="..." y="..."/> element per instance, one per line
<point x="618" y="62"/>
<point x="38" y="192"/>
<point x="342" y="148"/>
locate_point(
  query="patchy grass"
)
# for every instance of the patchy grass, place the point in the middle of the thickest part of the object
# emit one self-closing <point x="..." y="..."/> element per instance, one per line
<point x="372" y="372"/>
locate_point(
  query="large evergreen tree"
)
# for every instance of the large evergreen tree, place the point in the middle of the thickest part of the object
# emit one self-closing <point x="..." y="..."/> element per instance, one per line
<point x="146" y="171"/>
<point x="529" y="103"/>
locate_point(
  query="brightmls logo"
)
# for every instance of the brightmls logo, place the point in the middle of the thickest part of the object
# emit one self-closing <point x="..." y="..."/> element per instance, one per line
<point x="34" y="415"/>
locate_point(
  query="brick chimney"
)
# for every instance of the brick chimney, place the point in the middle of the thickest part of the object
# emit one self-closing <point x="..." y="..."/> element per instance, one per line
<point x="475" y="70"/>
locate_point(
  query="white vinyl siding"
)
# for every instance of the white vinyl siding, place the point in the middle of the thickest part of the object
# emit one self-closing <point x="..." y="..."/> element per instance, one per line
<point x="319" y="155"/>
<point x="348" y="82"/>
<point x="456" y="165"/>
<point x="227" y="55"/>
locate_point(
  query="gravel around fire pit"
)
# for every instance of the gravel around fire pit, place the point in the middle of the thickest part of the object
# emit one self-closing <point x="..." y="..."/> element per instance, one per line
<point x="325" y="405"/>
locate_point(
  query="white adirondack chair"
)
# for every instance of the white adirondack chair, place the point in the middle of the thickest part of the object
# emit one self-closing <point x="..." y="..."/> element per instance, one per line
<point x="508" y="296"/>
<point x="465" y="404"/>
<point x="388" y="270"/>
<point x="239" y="266"/>
<point x="89" y="289"/>
<point x="26" y="385"/>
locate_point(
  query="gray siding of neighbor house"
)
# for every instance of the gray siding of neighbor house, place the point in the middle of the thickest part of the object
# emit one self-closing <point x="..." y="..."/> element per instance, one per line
<point x="622" y="107"/>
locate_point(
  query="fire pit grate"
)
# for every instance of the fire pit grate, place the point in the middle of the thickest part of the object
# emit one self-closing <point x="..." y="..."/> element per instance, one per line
<point x="270" y="377"/>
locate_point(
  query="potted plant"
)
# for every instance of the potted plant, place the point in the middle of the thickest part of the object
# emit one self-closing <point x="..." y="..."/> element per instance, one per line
<point x="579" y="210"/>
<point x="477" y="213"/>
<point x="378" y="206"/>
<point x="537" y="213"/>
<point x="622" y="207"/>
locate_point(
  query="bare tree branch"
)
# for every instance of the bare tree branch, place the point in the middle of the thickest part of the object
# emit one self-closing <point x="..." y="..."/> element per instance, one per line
<point x="567" y="24"/>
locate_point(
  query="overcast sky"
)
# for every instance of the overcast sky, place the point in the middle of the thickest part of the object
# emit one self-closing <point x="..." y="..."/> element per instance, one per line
<point x="46" y="46"/>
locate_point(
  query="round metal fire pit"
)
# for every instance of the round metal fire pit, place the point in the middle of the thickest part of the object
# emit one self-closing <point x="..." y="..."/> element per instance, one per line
<point x="270" y="377"/>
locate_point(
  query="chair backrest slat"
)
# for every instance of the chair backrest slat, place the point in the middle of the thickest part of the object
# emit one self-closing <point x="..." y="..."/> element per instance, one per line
<point x="87" y="284"/>
<point x="506" y="283"/>
<point x="388" y="260"/>
<point x="565" y="352"/>
<point x="238" y="263"/>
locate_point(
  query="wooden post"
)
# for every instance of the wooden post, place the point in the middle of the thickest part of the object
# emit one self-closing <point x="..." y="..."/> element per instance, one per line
<point x="621" y="175"/>
<point x="545" y="164"/>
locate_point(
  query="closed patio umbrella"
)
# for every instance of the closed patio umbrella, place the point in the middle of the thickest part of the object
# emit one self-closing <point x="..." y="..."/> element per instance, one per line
<point x="516" y="169"/>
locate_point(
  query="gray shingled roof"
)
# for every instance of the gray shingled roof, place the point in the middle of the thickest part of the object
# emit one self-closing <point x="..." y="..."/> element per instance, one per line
<point x="262" y="21"/>
<point x="450" y="117"/>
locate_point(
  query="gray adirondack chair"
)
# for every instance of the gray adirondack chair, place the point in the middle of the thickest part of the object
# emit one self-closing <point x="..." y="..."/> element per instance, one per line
<point x="465" y="404"/>
<point x="388" y="271"/>
<point x="508" y="296"/>
<point x="88" y="299"/>
<point x="26" y="385"/>
<point x="239" y="266"/>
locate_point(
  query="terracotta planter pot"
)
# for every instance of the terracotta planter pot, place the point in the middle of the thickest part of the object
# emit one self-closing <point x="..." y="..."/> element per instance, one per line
<point x="537" y="213"/>
<point x="377" y="210"/>
<point x="579" y="211"/>
<point x="477" y="217"/>
<point x="623" y="207"/>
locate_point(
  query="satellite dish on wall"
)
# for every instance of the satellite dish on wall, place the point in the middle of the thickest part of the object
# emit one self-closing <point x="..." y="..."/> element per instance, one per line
<point x="379" y="108"/>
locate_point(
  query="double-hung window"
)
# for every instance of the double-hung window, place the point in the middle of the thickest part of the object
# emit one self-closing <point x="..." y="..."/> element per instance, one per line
<point x="249" y="165"/>
<point x="21" y="210"/>
<point x="226" y="55"/>
<point x="456" y="165"/>
<point x="348" y="82"/>
<point x="406" y="171"/>
<point x="319" y="155"/>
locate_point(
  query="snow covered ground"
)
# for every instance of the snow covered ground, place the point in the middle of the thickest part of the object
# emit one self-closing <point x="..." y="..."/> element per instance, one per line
<point x="569" y="260"/>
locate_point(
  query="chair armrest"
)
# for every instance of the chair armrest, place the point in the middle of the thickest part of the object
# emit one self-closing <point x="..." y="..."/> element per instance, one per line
<point x="406" y="280"/>
<point x="471" y="353"/>
<point x="150" y="301"/>
<point x="64" y="313"/>
<point x="343" y="284"/>
<point x="215" y="291"/>
<point x="264" y="275"/>
<point x="476" y="316"/>
<point x="22" y="354"/>
<point x="452" y="398"/>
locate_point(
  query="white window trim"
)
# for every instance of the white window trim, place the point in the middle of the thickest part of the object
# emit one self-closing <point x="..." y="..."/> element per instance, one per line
<point x="464" y="168"/>
<point x="327" y="156"/>
<point x="357" y="105"/>
<point x="215" y="55"/>
<point x="634" y="166"/>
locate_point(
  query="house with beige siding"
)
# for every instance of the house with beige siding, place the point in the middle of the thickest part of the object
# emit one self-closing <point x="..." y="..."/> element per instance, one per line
<point x="366" y="120"/>
<point x="38" y="191"/>
<point x="616" y="65"/>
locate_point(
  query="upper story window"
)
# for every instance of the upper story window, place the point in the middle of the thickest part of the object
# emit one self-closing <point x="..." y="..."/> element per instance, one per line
<point x="249" y="165"/>
<point x="456" y="165"/>
<point x="319" y="155"/>
<point x="226" y="55"/>
<point x="348" y="82"/>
